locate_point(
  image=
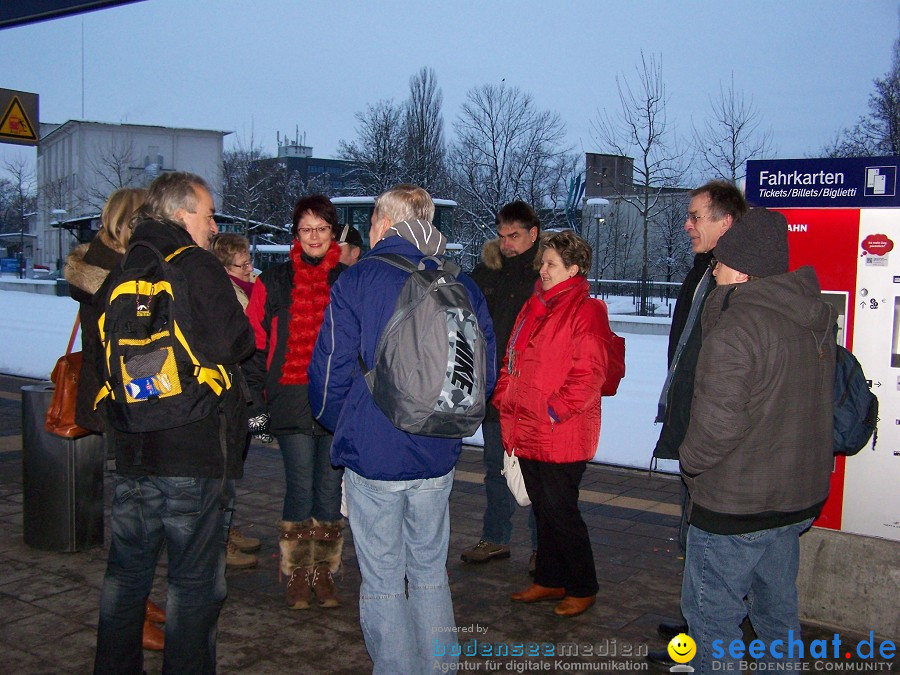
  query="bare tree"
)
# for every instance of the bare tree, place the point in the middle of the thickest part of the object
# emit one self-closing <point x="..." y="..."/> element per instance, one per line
<point x="243" y="185"/>
<point x="672" y="256"/>
<point x="378" y="150"/>
<point x="256" y="188"/>
<point x="505" y="149"/>
<point x="425" y="154"/>
<point x="614" y="242"/>
<point x="115" y="165"/>
<point x="640" y="129"/>
<point x="877" y="133"/>
<point x="17" y="195"/>
<point x="731" y="135"/>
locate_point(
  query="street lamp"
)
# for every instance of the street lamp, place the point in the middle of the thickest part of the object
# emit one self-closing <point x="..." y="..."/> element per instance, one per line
<point x="58" y="213"/>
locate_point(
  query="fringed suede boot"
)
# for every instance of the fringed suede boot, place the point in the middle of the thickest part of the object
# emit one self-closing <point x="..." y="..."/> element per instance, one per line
<point x="297" y="561"/>
<point x="328" y="547"/>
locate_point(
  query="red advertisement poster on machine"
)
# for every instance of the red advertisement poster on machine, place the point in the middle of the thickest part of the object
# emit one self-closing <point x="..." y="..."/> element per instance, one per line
<point x="827" y="239"/>
<point x="844" y="217"/>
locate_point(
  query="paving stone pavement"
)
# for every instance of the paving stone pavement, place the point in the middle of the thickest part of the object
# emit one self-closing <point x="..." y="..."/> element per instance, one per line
<point x="49" y="601"/>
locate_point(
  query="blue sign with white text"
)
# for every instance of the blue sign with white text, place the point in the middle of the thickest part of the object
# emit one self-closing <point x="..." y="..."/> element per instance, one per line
<point x="854" y="182"/>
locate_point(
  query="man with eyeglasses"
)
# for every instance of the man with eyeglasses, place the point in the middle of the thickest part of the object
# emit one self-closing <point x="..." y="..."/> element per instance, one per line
<point x="714" y="207"/>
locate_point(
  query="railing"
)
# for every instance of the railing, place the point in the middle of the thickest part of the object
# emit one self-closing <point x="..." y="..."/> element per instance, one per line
<point x="660" y="295"/>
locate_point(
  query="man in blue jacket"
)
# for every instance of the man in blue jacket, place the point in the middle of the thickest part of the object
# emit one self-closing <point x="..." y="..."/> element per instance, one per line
<point x="397" y="484"/>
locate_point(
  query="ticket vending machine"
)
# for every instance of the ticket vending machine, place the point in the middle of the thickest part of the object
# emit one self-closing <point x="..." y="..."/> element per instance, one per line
<point x="844" y="219"/>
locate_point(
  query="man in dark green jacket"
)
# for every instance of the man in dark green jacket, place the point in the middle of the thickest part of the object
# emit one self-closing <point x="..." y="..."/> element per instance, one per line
<point x="757" y="455"/>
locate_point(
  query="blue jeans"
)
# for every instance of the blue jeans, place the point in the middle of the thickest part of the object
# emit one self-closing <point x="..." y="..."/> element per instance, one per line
<point x="401" y="530"/>
<point x="186" y="514"/>
<point x="720" y="570"/>
<point x="312" y="487"/>
<point x="501" y="505"/>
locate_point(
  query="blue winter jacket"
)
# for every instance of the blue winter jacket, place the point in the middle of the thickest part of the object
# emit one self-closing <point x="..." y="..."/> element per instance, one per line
<point x="362" y="301"/>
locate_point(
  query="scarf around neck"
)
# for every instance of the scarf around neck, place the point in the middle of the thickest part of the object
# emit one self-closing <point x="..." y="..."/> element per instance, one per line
<point x="421" y="234"/>
<point x="309" y="297"/>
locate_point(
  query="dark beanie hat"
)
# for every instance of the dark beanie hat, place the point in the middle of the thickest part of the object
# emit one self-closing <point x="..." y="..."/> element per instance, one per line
<point x="347" y="234"/>
<point x="756" y="244"/>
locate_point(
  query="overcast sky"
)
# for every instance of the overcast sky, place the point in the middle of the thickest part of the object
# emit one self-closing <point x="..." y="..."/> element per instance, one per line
<point x="256" y="67"/>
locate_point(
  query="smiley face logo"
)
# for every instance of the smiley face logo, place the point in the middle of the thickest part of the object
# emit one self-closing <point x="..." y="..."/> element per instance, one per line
<point x="682" y="648"/>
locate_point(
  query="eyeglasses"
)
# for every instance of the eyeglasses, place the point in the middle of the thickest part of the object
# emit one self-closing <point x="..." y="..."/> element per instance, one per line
<point x="245" y="266"/>
<point x="694" y="217"/>
<point x="306" y="231"/>
<point x="713" y="262"/>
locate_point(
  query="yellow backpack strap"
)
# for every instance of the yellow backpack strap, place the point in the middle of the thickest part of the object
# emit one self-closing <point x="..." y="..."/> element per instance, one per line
<point x="105" y="391"/>
<point x="177" y="251"/>
<point x="214" y="379"/>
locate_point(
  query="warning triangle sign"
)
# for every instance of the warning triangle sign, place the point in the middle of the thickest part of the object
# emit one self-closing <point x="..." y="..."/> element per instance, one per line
<point x="15" y="123"/>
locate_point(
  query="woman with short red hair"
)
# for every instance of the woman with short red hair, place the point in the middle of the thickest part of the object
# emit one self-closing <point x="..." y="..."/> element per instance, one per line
<point x="286" y="310"/>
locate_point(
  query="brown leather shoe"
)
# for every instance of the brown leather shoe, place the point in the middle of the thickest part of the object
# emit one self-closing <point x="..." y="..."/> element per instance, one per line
<point x="572" y="606"/>
<point x="155" y="612"/>
<point x="536" y="593"/>
<point x="152" y="637"/>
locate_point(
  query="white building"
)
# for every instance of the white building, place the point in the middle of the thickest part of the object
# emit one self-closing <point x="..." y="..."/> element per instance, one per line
<point x="80" y="163"/>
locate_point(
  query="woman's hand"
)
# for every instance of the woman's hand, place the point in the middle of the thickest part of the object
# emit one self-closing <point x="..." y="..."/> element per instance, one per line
<point x="259" y="427"/>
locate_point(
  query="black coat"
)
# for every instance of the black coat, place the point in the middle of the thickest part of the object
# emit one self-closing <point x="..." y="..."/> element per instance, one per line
<point x="681" y="393"/>
<point x="270" y="314"/>
<point x="222" y="335"/>
<point x="506" y="283"/>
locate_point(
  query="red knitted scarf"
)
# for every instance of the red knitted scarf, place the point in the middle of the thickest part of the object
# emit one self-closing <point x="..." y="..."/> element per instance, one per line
<point x="309" y="298"/>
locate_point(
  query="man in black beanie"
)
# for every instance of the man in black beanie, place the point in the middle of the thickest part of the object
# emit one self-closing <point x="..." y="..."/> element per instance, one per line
<point x="757" y="455"/>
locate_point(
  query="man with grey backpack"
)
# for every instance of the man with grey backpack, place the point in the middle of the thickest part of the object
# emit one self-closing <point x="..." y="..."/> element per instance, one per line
<point x="399" y="408"/>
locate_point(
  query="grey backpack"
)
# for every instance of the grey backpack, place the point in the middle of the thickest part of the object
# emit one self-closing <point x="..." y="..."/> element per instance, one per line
<point x="429" y="372"/>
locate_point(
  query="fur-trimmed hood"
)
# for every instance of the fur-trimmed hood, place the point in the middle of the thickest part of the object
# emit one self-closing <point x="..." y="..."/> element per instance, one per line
<point x="88" y="265"/>
<point x="493" y="258"/>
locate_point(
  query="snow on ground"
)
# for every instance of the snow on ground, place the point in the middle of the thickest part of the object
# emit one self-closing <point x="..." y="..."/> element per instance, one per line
<point x="35" y="329"/>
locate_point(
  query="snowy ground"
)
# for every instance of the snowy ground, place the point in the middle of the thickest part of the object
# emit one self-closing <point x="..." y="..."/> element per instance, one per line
<point x="35" y="329"/>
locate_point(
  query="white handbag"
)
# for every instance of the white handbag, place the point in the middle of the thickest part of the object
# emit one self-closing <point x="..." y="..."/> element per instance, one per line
<point x="513" y="473"/>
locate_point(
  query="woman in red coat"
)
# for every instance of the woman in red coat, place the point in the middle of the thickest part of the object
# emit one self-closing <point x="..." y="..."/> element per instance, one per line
<point x="549" y="400"/>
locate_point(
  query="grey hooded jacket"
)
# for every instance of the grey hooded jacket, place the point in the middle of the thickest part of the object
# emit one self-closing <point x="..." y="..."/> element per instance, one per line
<point x="758" y="450"/>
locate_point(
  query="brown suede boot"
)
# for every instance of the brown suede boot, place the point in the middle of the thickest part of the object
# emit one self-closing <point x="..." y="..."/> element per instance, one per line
<point x="328" y="545"/>
<point x="322" y="584"/>
<point x="299" y="588"/>
<point x="296" y="544"/>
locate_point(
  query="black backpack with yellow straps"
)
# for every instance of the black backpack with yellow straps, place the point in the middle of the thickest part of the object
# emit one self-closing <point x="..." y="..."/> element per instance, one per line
<point x="156" y="379"/>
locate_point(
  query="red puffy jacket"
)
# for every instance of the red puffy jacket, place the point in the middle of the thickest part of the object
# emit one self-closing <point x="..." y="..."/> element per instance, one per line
<point x="556" y="363"/>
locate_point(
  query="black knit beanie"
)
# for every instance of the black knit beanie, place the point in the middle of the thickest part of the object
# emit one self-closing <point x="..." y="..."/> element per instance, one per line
<point x="756" y="244"/>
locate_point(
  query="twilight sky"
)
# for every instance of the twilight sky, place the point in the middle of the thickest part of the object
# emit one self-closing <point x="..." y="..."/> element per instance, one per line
<point x="256" y="67"/>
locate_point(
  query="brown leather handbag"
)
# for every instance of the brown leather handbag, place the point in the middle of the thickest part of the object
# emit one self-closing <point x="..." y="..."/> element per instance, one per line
<point x="60" y="419"/>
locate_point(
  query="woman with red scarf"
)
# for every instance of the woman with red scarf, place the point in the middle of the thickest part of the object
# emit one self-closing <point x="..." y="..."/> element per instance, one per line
<point x="286" y="309"/>
<point x="548" y="395"/>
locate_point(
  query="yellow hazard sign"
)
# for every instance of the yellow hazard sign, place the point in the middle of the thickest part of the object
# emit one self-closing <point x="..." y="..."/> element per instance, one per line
<point x="15" y="123"/>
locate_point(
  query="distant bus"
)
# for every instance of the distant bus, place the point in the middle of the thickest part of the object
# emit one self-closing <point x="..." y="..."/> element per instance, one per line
<point x="265" y="256"/>
<point x="357" y="211"/>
